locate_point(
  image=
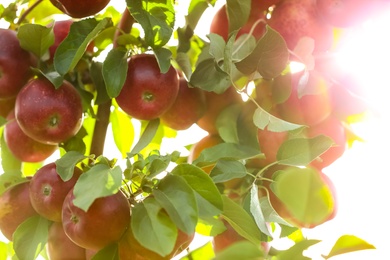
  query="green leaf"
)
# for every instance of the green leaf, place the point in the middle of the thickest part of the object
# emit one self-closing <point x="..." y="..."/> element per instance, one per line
<point x="123" y="131"/>
<point x="227" y="123"/>
<point x="262" y="119"/>
<point x="53" y="76"/>
<point x="196" y="10"/>
<point x="269" y="58"/>
<point x="35" y="38"/>
<point x="114" y="71"/>
<point x="347" y="244"/>
<point x="210" y="226"/>
<point x="217" y="46"/>
<point x="65" y="165"/>
<point x="163" y="57"/>
<point x="157" y="18"/>
<point x="305" y="195"/>
<point x="152" y="228"/>
<point x="179" y="201"/>
<point x="72" y="48"/>
<point x="301" y="151"/>
<point x="146" y="137"/>
<point x="109" y="252"/>
<point x="207" y="77"/>
<point x="243" y="250"/>
<point x="206" y="251"/>
<point x="207" y="194"/>
<point x="296" y="251"/>
<point x="225" y="170"/>
<point x="270" y="215"/>
<point x="238" y="13"/>
<point x="99" y="181"/>
<point x="8" y="160"/>
<point x="30" y="237"/>
<point x="241" y="221"/>
<point x="256" y="210"/>
<point x="96" y="72"/>
<point x="225" y="151"/>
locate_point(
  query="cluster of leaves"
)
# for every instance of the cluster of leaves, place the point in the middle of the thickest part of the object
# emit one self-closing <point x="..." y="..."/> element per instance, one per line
<point x="192" y="199"/>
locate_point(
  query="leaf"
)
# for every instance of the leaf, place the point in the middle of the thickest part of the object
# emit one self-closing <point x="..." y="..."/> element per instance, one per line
<point x="262" y="119"/>
<point x="109" y="252"/>
<point x="270" y="214"/>
<point x="296" y="251"/>
<point x="123" y="131"/>
<point x="206" y="76"/>
<point x="240" y="220"/>
<point x="304" y="194"/>
<point x="163" y="57"/>
<point x="207" y="195"/>
<point x="217" y="46"/>
<point x="35" y="38"/>
<point x="269" y="58"/>
<point x="96" y="72"/>
<point x="196" y="10"/>
<point x="8" y="160"/>
<point x="157" y="18"/>
<point x="238" y="13"/>
<point x="146" y="137"/>
<point x="347" y="244"/>
<point x="72" y="48"/>
<point x="225" y="170"/>
<point x="179" y="201"/>
<point x="152" y="228"/>
<point x="53" y="76"/>
<point x="205" y="251"/>
<point x="114" y="71"/>
<point x="30" y="237"/>
<point x="227" y="123"/>
<point x="302" y="151"/>
<point x="255" y="209"/>
<point x="225" y="151"/>
<point x="65" y="165"/>
<point x="10" y="178"/>
<point x="99" y="181"/>
<point x="243" y="250"/>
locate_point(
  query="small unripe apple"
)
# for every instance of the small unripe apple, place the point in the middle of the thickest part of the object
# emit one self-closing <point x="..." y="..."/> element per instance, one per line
<point x="103" y="223"/>
<point x="23" y="147"/>
<point x="48" y="191"/>
<point x="147" y="93"/>
<point x="80" y="9"/>
<point x="49" y="115"/>
<point x="15" y="64"/>
<point x="15" y="208"/>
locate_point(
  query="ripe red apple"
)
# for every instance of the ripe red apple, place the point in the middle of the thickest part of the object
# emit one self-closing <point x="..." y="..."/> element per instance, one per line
<point x="269" y="143"/>
<point x="46" y="114"/>
<point x="296" y="19"/>
<point x="215" y="103"/>
<point x="130" y="248"/>
<point x="220" y="23"/>
<point x="310" y="109"/>
<point x="103" y="223"/>
<point x="23" y="147"/>
<point x="189" y="106"/>
<point x="60" y="247"/>
<point x="333" y="128"/>
<point x="15" y="208"/>
<point x="147" y="93"/>
<point x="15" y="64"/>
<point x="80" y="9"/>
<point x="48" y="191"/>
<point x="6" y="106"/>
<point x="347" y="13"/>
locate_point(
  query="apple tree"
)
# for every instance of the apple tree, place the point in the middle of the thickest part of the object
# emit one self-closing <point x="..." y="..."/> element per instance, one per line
<point x="262" y="85"/>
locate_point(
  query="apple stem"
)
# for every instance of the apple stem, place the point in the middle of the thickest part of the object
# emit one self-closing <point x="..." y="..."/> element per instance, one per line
<point x="103" y="110"/>
<point x="23" y="16"/>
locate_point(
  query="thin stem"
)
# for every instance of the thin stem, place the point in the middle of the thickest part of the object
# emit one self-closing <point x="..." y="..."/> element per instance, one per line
<point x="23" y="16"/>
<point x="103" y="110"/>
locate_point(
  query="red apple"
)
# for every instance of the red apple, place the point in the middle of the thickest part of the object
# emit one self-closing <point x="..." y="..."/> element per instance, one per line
<point x="189" y="106"/>
<point x="48" y="191"/>
<point x="46" y="114"/>
<point x="23" y="147"/>
<point x="103" y="223"/>
<point x="296" y="19"/>
<point x="333" y="128"/>
<point x="15" y="64"/>
<point x="60" y="247"/>
<point x="269" y="143"/>
<point x="147" y="93"/>
<point x="15" y="208"/>
<point x="80" y="9"/>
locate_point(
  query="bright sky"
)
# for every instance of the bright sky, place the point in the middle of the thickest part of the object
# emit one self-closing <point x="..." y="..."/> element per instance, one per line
<point x="362" y="175"/>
